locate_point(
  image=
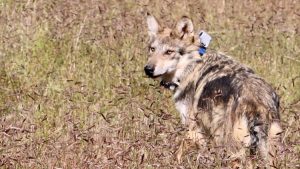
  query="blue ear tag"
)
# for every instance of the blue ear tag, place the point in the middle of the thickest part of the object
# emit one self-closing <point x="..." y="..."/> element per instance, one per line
<point x="202" y="50"/>
<point x="205" y="39"/>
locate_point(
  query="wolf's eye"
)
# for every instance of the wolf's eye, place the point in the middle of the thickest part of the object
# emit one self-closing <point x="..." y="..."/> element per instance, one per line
<point x="152" y="49"/>
<point x="169" y="52"/>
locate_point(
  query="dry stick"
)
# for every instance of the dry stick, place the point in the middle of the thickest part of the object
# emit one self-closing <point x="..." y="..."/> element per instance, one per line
<point x="5" y="134"/>
<point x="77" y="41"/>
<point x="292" y="59"/>
<point x="286" y="133"/>
<point x="79" y="33"/>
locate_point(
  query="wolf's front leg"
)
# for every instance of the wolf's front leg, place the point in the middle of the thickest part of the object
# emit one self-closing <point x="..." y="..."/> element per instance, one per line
<point x="196" y="136"/>
<point x="195" y="129"/>
<point x="193" y="138"/>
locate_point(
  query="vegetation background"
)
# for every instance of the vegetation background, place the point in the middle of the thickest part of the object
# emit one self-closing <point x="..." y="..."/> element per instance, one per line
<point x="73" y="93"/>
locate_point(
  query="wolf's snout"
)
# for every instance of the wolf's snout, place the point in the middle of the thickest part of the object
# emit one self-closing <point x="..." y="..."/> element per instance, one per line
<point x="149" y="70"/>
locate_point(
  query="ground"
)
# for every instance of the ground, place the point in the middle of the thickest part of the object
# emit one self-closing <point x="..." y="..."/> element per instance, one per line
<point x="73" y="93"/>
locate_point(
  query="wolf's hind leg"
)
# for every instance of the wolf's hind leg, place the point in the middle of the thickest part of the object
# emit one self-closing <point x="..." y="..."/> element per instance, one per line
<point x="273" y="146"/>
<point x="244" y="143"/>
<point x="268" y="143"/>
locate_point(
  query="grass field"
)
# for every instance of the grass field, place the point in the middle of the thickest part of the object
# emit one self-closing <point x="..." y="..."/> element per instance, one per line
<point x="73" y="93"/>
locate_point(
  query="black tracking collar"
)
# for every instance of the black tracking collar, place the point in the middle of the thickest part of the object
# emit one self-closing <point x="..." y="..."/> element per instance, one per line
<point x="168" y="85"/>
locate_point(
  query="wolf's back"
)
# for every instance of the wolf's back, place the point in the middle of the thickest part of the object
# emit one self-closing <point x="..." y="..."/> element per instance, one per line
<point x="233" y="103"/>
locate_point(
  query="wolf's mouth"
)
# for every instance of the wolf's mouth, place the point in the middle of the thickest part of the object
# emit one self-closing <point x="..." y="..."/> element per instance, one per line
<point x="149" y="71"/>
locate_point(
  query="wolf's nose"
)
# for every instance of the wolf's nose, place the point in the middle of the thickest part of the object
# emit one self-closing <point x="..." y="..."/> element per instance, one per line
<point x="149" y="70"/>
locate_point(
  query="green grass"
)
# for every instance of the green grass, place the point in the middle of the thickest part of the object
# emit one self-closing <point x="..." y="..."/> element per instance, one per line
<point x="73" y="93"/>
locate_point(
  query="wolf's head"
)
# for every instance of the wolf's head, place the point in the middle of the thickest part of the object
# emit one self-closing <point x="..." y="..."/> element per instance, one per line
<point x="167" y="46"/>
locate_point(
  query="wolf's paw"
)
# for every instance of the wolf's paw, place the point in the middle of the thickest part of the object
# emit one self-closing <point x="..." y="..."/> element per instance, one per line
<point x="185" y="146"/>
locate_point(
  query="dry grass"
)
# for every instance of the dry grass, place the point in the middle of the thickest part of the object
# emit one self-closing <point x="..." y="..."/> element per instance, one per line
<point x="73" y="93"/>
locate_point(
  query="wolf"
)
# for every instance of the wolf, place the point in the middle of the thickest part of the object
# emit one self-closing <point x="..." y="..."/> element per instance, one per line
<point x="219" y="99"/>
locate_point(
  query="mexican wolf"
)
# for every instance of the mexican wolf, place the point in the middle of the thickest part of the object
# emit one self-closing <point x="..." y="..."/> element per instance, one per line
<point x="219" y="99"/>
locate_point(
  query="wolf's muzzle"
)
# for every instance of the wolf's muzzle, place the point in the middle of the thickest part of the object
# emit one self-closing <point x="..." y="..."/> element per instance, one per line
<point x="149" y="70"/>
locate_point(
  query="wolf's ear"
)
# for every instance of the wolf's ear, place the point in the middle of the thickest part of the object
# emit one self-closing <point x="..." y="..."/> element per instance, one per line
<point x="185" y="27"/>
<point x="153" y="25"/>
